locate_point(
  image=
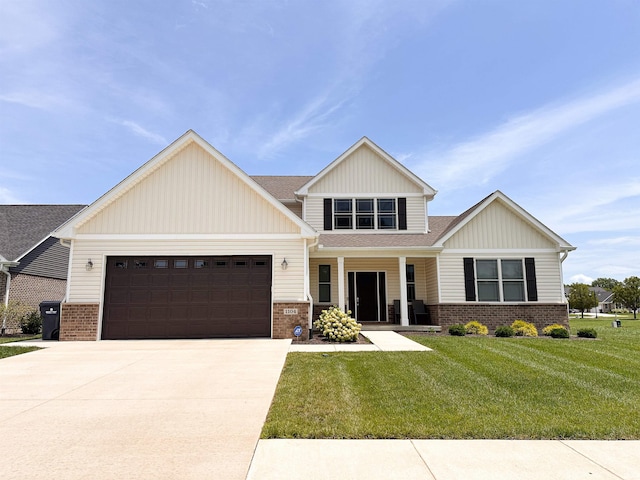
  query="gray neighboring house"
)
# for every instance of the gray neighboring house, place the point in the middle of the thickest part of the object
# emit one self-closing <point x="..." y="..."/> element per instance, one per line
<point x="605" y="299"/>
<point x="33" y="264"/>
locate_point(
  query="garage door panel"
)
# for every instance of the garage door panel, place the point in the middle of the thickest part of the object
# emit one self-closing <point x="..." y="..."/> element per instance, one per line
<point x="187" y="297"/>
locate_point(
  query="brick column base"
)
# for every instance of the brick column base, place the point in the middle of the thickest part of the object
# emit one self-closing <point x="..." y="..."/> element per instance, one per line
<point x="540" y="314"/>
<point x="79" y="321"/>
<point x="284" y="323"/>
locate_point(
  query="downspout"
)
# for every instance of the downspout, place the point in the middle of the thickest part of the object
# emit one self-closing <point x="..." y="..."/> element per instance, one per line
<point x="5" y="269"/>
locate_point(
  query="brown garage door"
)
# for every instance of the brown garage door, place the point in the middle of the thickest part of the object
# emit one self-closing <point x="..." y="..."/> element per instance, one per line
<point x="187" y="297"/>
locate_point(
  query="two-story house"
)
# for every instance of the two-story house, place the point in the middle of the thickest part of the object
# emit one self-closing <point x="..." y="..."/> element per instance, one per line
<point x="190" y="246"/>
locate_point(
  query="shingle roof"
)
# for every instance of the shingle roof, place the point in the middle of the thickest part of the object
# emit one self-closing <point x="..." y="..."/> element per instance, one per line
<point x="281" y="187"/>
<point x="22" y="226"/>
<point x="437" y="225"/>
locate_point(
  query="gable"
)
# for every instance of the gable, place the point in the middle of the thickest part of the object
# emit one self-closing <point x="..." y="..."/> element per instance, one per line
<point x="191" y="192"/>
<point x="498" y="226"/>
<point x="364" y="170"/>
<point x="48" y="259"/>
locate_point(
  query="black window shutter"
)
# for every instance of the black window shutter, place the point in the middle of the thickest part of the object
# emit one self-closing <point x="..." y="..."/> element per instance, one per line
<point x="328" y="214"/>
<point x="402" y="214"/>
<point x="469" y="280"/>
<point x="532" y="287"/>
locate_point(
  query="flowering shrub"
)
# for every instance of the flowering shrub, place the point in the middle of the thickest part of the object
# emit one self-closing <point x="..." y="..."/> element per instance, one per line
<point x="524" y="329"/>
<point x="547" y="330"/>
<point x="476" y="328"/>
<point x="337" y="325"/>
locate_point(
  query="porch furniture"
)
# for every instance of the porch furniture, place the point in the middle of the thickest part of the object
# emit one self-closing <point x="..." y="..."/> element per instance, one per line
<point x="396" y="311"/>
<point x="420" y="313"/>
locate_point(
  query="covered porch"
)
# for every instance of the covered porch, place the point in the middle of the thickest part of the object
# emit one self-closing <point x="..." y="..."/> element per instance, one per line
<point x="379" y="288"/>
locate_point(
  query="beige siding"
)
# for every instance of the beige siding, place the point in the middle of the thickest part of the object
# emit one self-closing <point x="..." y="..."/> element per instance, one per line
<point x="87" y="286"/>
<point x="190" y="193"/>
<point x="431" y="280"/>
<point x="548" y="274"/>
<point x="364" y="171"/>
<point x="415" y="213"/>
<point x="498" y="227"/>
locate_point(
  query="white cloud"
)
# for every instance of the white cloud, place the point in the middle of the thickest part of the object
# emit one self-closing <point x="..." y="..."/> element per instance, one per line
<point x="142" y="132"/>
<point x="8" y="197"/>
<point x="580" y="278"/>
<point x="33" y="99"/>
<point x="480" y="159"/>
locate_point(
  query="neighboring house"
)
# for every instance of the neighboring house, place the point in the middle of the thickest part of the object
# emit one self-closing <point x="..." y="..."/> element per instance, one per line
<point x="605" y="299"/>
<point x="33" y="264"/>
<point x="190" y="246"/>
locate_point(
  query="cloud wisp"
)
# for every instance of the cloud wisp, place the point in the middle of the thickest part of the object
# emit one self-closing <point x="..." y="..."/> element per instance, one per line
<point x="140" y="131"/>
<point x="482" y="158"/>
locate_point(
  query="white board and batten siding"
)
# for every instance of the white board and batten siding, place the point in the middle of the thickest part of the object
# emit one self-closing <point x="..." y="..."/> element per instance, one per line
<point x="190" y="193"/>
<point x="498" y="233"/>
<point x="87" y="286"/>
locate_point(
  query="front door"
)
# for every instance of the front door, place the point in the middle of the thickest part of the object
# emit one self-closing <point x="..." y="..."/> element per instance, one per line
<point x="367" y="296"/>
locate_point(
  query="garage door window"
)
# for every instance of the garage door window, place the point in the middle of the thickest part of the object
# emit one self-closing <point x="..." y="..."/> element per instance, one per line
<point x="180" y="264"/>
<point x="201" y="264"/>
<point x="161" y="263"/>
<point x="139" y="264"/>
<point x="121" y="264"/>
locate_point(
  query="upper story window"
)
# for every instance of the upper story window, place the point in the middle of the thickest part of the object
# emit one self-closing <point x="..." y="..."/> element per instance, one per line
<point x="365" y="214"/>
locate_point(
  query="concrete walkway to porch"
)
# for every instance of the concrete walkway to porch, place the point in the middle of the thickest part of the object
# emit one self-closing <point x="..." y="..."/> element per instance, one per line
<point x="381" y="341"/>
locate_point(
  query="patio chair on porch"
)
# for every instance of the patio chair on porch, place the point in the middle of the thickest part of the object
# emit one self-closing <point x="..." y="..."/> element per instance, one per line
<point x="420" y="313"/>
<point x="396" y="311"/>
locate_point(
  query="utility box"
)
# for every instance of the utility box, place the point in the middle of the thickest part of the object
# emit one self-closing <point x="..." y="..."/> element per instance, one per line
<point x="50" y="313"/>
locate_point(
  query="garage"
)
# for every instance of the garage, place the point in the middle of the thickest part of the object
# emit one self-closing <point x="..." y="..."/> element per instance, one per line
<point x="150" y="297"/>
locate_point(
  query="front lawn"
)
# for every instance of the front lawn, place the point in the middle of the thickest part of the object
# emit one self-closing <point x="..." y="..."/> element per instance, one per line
<point x="468" y="387"/>
<point x="10" y="351"/>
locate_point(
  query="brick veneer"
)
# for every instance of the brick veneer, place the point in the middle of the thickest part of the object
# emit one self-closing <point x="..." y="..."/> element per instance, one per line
<point x="79" y="321"/>
<point x="540" y="314"/>
<point x="283" y="325"/>
<point x="31" y="289"/>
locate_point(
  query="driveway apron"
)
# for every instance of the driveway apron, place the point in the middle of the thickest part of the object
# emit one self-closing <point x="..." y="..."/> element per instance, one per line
<point x="137" y="409"/>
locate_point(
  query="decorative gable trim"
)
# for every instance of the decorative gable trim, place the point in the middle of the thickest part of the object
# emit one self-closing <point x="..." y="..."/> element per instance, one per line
<point x="427" y="190"/>
<point x="473" y="212"/>
<point x="69" y="229"/>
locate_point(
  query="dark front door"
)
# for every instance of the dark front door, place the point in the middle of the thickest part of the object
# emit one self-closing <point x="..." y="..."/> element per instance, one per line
<point x="367" y="296"/>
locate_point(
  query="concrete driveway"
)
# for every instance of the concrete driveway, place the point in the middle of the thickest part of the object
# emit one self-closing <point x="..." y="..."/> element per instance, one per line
<point x="136" y="409"/>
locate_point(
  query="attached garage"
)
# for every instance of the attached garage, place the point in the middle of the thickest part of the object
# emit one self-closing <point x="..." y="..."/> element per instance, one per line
<point x="187" y="297"/>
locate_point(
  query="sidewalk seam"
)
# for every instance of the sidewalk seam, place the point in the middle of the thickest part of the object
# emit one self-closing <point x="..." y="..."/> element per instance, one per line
<point x="591" y="460"/>
<point x="423" y="459"/>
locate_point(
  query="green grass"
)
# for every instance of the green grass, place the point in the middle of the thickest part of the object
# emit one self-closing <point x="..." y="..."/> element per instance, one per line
<point x="468" y="387"/>
<point x="11" y="351"/>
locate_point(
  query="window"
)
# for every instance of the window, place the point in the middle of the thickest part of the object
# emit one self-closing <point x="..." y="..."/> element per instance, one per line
<point x="411" y="283"/>
<point x="121" y="264"/>
<point x="324" y="283"/>
<point x="364" y="213"/>
<point x="500" y="280"/>
<point x="139" y="264"/>
<point x="201" y="263"/>
<point x="161" y="263"/>
<point x="386" y="213"/>
<point x="181" y="264"/>
<point x="342" y="214"/>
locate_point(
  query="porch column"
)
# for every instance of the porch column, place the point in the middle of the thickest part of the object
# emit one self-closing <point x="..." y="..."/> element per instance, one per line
<point x="404" y="306"/>
<point x="341" y="295"/>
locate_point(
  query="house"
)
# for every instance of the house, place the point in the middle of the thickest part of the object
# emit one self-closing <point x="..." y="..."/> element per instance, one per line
<point x="190" y="246"/>
<point x="604" y="297"/>
<point x="33" y="264"/>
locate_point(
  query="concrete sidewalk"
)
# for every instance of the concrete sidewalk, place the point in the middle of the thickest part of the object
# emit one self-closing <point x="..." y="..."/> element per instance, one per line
<point x="446" y="460"/>
<point x="381" y="341"/>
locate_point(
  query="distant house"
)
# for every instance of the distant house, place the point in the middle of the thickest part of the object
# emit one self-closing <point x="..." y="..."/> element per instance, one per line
<point x="190" y="246"/>
<point x="605" y="299"/>
<point x="33" y="264"/>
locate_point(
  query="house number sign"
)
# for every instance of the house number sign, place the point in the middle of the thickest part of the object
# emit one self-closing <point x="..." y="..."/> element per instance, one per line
<point x="290" y="311"/>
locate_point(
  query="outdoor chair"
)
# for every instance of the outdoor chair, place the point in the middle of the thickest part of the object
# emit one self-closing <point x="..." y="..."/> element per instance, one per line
<point x="420" y="313"/>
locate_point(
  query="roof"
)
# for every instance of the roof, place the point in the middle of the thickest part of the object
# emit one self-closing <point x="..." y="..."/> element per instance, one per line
<point x="437" y="225"/>
<point x="22" y="227"/>
<point x="281" y="187"/>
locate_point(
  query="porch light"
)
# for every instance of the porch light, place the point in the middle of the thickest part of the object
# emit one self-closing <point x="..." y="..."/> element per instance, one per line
<point x="284" y="264"/>
<point x="89" y="265"/>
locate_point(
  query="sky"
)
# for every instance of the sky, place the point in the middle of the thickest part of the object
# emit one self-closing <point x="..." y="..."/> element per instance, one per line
<point x="538" y="99"/>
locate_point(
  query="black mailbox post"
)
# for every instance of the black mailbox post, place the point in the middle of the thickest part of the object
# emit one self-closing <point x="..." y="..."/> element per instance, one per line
<point x="50" y="313"/>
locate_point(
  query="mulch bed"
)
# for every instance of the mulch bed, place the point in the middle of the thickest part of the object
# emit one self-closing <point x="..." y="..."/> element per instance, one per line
<point x="321" y="340"/>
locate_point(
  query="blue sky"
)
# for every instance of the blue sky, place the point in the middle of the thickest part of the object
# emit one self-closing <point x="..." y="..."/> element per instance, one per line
<point x="539" y="99"/>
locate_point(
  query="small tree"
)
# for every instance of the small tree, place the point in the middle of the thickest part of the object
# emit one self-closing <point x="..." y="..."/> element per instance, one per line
<point x="628" y="294"/>
<point x="581" y="298"/>
<point x="606" y="283"/>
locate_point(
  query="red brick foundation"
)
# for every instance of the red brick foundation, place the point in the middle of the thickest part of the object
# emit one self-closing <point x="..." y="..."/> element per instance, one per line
<point x="79" y="321"/>
<point x="540" y="314"/>
<point x="283" y="324"/>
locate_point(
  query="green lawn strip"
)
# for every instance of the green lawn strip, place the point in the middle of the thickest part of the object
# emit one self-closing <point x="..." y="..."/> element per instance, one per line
<point x="469" y="387"/>
<point x="6" y="351"/>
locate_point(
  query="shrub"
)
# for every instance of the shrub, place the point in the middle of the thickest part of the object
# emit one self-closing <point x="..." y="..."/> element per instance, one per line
<point x="12" y="315"/>
<point x="476" y="328"/>
<point x="524" y="329"/>
<point x="31" y="323"/>
<point x="547" y="330"/>
<point x="457" y="330"/>
<point x="559" y="332"/>
<point x="337" y="325"/>
<point x="504" y="331"/>
<point x="587" y="333"/>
